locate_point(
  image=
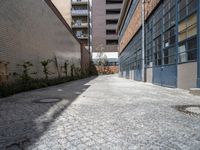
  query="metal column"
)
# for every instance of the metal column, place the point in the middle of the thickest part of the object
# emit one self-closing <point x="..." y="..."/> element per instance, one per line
<point x="198" y="43"/>
<point x="143" y="41"/>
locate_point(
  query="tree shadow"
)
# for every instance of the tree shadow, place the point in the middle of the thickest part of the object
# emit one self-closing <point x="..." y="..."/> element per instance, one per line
<point x="23" y="120"/>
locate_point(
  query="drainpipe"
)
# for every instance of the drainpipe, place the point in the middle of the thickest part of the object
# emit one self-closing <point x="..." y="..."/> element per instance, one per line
<point x="88" y="8"/>
<point x="143" y="41"/>
<point x="198" y="43"/>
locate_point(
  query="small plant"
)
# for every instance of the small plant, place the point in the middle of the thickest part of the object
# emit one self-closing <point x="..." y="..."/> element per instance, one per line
<point x="80" y="71"/>
<point x="101" y="59"/>
<point x="57" y="67"/>
<point x="45" y="64"/>
<point x="92" y="70"/>
<point x="76" y="71"/>
<point x="27" y="83"/>
<point x="25" y="76"/>
<point x="72" y="70"/>
<point x="65" y="67"/>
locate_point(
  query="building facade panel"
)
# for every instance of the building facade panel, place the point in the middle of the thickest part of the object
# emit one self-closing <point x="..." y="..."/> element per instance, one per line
<point x="149" y="75"/>
<point x="187" y="75"/>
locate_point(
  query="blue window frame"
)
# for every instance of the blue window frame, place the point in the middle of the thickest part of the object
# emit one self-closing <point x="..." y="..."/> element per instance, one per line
<point x="157" y="36"/>
<point x="186" y="7"/>
<point x="169" y="35"/>
<point x="149" y="42"/>
<point x="167" y="40"/>
<point x="131" y="57"/>
<point x="187" y="31"/>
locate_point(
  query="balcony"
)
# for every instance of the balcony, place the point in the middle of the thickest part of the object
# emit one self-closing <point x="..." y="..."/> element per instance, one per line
<point x="79" y="2"/>
<point x="82" y="36"/>
<point x="80" y="25"/>
<point x="81" y="12"/>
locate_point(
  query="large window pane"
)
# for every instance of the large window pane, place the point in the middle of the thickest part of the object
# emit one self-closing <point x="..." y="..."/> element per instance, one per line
<point x="170" y="55"/>
<point x="187" y="7"/>
<point x="192" y="20"/>
<point x="182" y="36"/>
<point x="192" y="55"/>
<point x="182" y="4"/>
<point x="192" y="44"/>
<point x="169" y="60"/>
<point x="182" y="53"/>
<point x="192" y="6"/>
<point x="182" y="13"/>
<point x="188" y="27"/>
<point x="192" y="31"/>
<point x="188" y="50"/>
<point x="192" y="25"/>
<point x="182" y="26"/>
<point x="182" y="57"/>
<point x="182" y="48"/>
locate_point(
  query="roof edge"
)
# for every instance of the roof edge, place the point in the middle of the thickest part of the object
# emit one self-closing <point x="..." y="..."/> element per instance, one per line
<point x="61" y="18"/>
<point x="124" y="10"/>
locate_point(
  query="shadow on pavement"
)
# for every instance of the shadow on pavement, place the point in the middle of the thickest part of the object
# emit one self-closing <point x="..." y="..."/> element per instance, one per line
<point x="23" y="121"/>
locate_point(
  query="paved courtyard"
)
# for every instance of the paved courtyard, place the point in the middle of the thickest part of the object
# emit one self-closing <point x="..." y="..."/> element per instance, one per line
<point x="106" y="112"/>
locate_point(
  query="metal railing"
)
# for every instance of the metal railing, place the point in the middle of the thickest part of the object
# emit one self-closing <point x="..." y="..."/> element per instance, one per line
<point x="82" y="35"/>
<point x="80" y="12"/>
<point x="78" y="24"/>
<point x="79" y="1"/>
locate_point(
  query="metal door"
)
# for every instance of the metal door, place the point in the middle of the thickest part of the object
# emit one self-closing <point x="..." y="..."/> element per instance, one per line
<point x="138" y="74"/>
<point x="165" y="76"/>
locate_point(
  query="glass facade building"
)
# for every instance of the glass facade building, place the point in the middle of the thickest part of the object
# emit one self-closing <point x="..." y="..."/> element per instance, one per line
<point x="171" y="35"/>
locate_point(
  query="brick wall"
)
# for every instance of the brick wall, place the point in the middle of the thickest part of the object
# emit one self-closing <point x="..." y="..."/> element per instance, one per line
<point x="133" y="27"/>
<point x="135" y="22"/>
<point x="149" y="6"/>
<point x="31" y="31"/>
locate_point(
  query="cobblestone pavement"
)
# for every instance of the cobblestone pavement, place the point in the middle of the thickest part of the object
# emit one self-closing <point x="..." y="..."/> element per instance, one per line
<point x="106" y="112"/>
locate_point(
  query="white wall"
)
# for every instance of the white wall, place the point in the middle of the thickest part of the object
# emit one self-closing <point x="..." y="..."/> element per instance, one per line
<point x="30" y="31"/>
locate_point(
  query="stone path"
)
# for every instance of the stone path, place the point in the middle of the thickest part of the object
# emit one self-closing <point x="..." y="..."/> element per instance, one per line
<point x="106" y="112"/>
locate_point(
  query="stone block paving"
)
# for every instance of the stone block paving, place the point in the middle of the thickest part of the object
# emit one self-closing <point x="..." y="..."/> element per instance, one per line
<point x="103" y="113"/>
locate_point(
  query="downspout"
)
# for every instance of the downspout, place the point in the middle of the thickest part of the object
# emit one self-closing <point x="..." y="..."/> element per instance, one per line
<point x="88" y="7"/>
<point x="198" y="43"/>
<point x="143" y="42"/>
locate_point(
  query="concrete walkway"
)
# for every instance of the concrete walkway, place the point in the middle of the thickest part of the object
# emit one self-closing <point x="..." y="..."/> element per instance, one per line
<point x="106" y="112"/>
